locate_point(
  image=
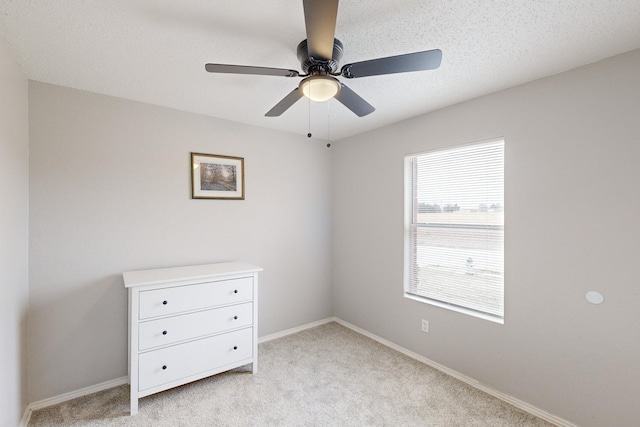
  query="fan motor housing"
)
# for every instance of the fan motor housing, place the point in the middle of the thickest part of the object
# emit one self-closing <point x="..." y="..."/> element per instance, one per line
<point x="312" y="65"/>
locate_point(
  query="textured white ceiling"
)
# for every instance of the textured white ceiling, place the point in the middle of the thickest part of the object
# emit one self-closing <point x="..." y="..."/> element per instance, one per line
<point x="154" y="51"/>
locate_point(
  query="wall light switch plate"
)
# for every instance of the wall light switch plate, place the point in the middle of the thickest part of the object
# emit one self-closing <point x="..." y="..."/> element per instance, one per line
<point x="425" y="325"/>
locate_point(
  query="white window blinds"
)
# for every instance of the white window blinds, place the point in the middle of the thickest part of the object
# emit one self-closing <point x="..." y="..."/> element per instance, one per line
<point x="454" y="228"/>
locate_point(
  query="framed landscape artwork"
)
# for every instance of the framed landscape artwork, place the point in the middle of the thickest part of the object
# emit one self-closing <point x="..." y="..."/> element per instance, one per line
<point x="217" y="177"/>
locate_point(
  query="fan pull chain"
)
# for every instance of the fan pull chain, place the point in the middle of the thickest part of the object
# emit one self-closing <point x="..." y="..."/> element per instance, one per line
<point x="328" y="124"/>
<point x="309" y="122"/>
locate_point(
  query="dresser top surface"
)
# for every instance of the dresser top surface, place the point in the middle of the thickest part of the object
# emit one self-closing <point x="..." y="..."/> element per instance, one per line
<point x="204" y="271"/>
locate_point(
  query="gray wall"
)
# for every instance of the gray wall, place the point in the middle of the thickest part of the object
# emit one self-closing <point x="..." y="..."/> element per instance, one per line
<point x="14" y="237"/>
<point x="110" y="192"/>
<point x="572" y="210"/>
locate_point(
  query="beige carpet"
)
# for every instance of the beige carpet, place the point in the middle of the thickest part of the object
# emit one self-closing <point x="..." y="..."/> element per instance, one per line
<point x="324" y="376"/>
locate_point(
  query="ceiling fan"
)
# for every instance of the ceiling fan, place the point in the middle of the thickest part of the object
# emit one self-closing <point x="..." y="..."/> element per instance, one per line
<point x="319" y="55"/>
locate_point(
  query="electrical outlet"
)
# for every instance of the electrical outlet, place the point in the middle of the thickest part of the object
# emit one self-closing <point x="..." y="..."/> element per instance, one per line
<point x="425" y="325"/>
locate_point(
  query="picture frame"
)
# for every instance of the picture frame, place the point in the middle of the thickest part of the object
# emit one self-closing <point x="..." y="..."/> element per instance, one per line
<point x="215" y="176"/>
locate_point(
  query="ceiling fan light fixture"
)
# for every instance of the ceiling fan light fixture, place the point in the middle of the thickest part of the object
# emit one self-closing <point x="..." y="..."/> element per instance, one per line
<point x="320" y="54"/>
<point x="320" y="88"/>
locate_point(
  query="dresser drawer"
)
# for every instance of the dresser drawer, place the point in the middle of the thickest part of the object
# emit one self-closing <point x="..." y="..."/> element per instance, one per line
<point x="169" y="330"/>
<point x="180" y="361"/>
<point x="167" y="301"/>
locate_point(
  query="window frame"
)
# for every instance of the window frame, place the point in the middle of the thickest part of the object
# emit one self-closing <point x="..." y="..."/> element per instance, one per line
<point x="411" y="228"/>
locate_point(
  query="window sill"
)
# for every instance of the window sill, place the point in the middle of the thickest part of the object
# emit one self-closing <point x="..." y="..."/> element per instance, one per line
<point x="458" y="309"/>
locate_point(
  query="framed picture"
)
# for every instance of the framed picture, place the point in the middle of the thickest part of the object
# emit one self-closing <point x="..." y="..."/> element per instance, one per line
<point x="217" y="177"/>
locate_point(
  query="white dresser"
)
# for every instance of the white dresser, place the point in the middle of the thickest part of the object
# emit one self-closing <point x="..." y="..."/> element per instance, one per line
<point x="187" y="323"/>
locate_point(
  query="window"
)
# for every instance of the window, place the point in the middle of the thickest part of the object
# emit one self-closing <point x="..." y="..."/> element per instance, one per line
<point x="454" y="229"/>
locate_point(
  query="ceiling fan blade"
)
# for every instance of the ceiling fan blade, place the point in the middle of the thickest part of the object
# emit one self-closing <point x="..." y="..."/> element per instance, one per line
<point x="320" y="19"/>
<point x="286" y="102"/>
<point x="244" y="69"/>
<point x="353" y="101"/>
<point x="417" y="61"/>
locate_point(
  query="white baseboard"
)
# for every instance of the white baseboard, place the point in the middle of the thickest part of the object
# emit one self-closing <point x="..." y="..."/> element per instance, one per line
<point x="465" y="379"/>
<point x="68" y="396"/>
<point x="296" y="329"/>
<point x="24" y="422"/>
<point x="457" y="375"/>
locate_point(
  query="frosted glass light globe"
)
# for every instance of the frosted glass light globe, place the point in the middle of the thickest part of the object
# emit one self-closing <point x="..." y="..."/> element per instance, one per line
<point x="320" y="88"/>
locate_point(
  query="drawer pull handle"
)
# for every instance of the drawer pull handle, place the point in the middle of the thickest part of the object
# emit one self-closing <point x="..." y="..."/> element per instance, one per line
<point x="235" y="291"/>
<point x="164" y="366"/>
<point x="235" y="317"/>
<point x="235" y="347"/>
<point x="165" y="302"/>
<point x="164" y="332"/>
